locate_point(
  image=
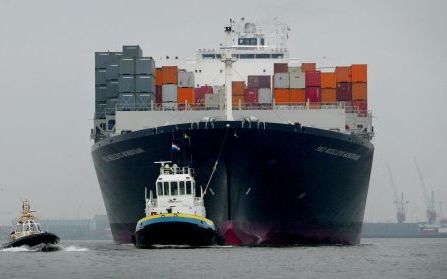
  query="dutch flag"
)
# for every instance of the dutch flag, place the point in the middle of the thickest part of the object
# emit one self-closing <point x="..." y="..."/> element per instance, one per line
<point x="175" y="147"/>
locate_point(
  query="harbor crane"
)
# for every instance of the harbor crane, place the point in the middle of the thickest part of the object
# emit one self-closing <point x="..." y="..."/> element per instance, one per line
<point x="399" y="203"/>
<point x="429" y="200"/>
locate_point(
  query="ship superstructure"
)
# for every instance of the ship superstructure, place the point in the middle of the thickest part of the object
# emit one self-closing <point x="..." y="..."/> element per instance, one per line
<point x="288" y="143"/>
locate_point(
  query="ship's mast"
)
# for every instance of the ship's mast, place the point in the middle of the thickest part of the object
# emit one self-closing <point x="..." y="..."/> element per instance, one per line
<point x="227" y="58"/>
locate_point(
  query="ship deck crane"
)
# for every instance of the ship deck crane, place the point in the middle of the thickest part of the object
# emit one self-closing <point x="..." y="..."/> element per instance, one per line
<point x="399" y="203"/>
<point x="429" y="200"/>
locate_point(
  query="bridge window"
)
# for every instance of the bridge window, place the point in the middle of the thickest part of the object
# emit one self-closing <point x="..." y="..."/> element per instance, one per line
<point x="277" y="55"/>
<point x="19" y="228"/>
<point x="247" y="41"/>
<point x="159" y="189"/>
<point x="218" y="56"/>
<point x="263" y="56"/>
<point x="166" y="188"/>
<point x="262" y="41"/>
<point x="188" y="187"/>
<point x="182" y="187"/>
<point x="174" y="188"/>
<point x="208" y="56"/>
<point x="246" y="56"/>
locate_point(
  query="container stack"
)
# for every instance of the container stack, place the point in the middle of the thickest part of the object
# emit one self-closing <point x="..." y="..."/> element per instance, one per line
<point x="312" y="82"/>
<point x="359" y="88"/>
<point x="328" y="88"/>
<point x="185" y="89"/>
<point x="219" y="90"/>
<point x="168" y="77"/>
<point x="106" y="80"/>
<point x="259" y="90"/>
<point x="281" y="83"/>
<point x="289" y="84"/>
<point x="136" y="82"/>
<point x="238" y="90"/>
<point x="200" y="95"/>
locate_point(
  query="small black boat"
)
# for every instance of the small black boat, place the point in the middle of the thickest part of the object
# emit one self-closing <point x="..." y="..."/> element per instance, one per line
<point x="28" y="232"/>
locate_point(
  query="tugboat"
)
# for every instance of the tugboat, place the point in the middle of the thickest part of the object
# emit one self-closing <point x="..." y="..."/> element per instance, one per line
<point x="176" y="216"/>
<point x="28" y="232"/>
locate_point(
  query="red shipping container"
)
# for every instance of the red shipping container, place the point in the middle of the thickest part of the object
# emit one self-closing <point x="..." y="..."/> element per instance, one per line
<point x="344" y="92"/>
<point x="199" y="93"/>
<point x="258" y="81"/>
<point x="251" y="95"/>
<point x="313" y="94"/>
<point x="280" y="68"/>
<point x="158" y="98"/>
<point x="313" y="79"/>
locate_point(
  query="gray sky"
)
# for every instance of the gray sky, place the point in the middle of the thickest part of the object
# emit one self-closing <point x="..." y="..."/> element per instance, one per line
<point x="47" y="85"/>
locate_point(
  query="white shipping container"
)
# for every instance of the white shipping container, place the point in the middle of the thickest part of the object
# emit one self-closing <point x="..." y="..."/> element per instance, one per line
<point x="265" y="96"/>
<point x="220" y="91"/>
<point x="169" y="93"/>
<point x="294" y="69"/>
<point x="185" y="79"/>
<point x="297" y="80"/>
<point x="212" y="101"/>
<point x="281" y="80"/>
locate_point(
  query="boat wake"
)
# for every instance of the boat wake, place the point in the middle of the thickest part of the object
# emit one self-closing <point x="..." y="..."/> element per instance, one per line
<point x="45" y="248"/>
<point x="38" y="248"/>
<point x="75" y="249"/>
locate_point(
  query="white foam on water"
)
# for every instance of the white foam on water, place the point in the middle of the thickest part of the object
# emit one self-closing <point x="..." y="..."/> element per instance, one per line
<point x="17" y="249"/>
<point x="75" y="249"/>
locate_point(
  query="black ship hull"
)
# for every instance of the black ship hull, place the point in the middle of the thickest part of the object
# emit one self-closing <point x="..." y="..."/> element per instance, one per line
<point x="33" y="240"/>
<point x="275" y="184"/>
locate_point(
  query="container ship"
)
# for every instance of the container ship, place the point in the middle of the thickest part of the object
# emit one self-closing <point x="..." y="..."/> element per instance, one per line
<point x="282" y="145"/>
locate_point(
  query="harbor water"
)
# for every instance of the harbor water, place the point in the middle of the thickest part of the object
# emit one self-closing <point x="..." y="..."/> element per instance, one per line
<point x="374" y="258"/>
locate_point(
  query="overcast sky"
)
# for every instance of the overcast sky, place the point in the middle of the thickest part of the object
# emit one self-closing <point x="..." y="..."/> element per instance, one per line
<point x="47" y="85"/>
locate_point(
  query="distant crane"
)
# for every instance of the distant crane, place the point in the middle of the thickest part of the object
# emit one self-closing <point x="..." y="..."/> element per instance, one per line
<point x="400" y="204"/>
<point x="429" y="200"/>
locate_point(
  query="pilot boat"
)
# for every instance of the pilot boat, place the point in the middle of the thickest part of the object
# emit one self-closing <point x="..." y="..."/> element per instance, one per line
<point x="176" y="215"/>
<point x="28" y="232"/>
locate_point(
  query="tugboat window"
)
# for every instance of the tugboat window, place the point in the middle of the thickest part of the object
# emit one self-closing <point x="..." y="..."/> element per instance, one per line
<point x="188" y="187"/>
<point x="160" y="188"/>
<point x="174" y="188"/>
<point x="182" y="187"/>
<point x="166" y="188"/>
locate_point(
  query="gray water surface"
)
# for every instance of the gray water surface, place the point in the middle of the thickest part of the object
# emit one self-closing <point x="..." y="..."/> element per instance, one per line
<point x="375" y="258"/>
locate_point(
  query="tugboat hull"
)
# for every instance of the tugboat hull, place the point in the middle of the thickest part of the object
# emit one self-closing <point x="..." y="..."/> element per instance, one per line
<point x="33" y="240"/>
<point x="174" y="229"/>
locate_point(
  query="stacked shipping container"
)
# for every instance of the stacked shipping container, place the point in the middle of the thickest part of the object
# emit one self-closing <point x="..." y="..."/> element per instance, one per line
<point x="131" y="80"/>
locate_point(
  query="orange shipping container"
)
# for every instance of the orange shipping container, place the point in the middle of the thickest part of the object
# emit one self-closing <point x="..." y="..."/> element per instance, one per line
<point x="185" y="94"/>
<point x="359" y="91"/>
<point x="297" y="96"/>
<point x="238" y="88"/>
<point x="328" y="80"/>
<point x="359" y="73"/>
<point x="328" y="95"/>
<point x="282" y="96"/>
<point x="158" y="77"/>
<point x="343" y="73"/>
<point x="170" y="74"/>
<point x="306" y="67"/>
<point x="238" y="100"/>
